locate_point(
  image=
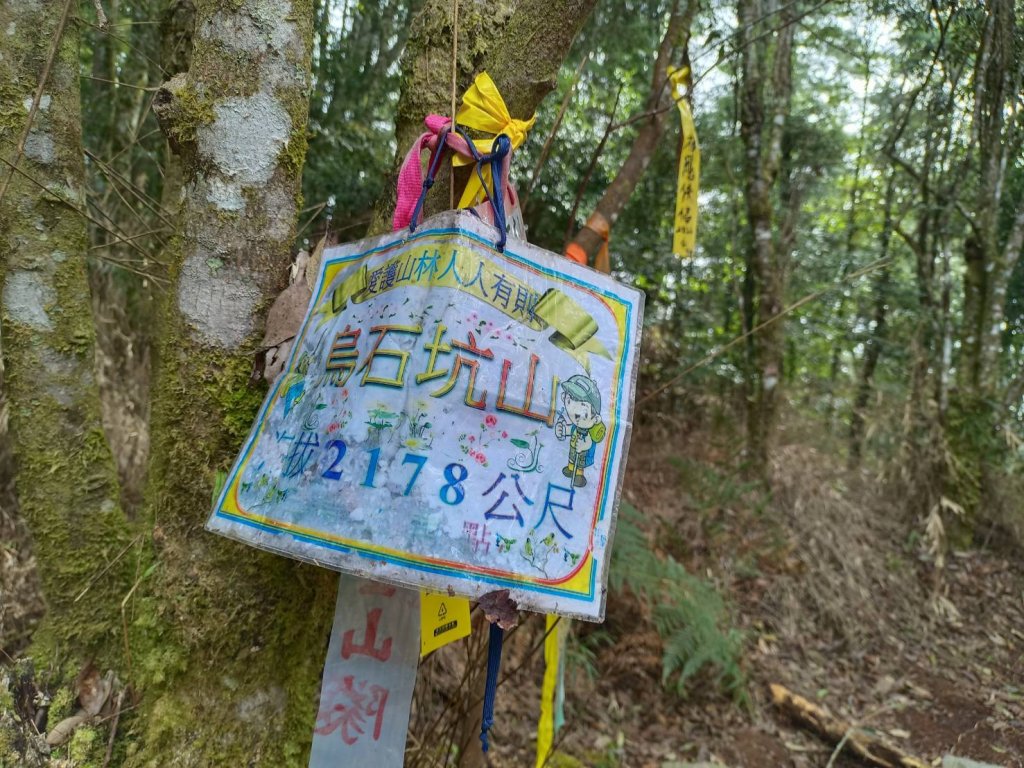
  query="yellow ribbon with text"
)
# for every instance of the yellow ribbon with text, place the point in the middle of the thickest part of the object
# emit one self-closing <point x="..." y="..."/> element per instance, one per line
<point x="483" y="109"/>
<point x="684" y="238"/>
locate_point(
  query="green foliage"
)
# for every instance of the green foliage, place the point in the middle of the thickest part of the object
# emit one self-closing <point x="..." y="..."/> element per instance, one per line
<point x="710" y="488"/>
<point x="689" y="614"/>
<point x="581" y="652"/>
<point x="352" y="108"/>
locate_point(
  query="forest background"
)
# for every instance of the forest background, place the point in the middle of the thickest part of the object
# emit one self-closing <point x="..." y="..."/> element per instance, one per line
<point x="824" y="485"/>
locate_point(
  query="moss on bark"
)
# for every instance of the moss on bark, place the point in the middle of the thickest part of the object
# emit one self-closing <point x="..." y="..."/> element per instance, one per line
<point x="66" y="479"/>
<point x="520" y="43"/>
<point x="230" y="640"/>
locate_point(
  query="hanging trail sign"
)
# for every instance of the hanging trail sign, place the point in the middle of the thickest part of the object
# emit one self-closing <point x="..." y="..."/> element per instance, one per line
<point x="452" y="417"/>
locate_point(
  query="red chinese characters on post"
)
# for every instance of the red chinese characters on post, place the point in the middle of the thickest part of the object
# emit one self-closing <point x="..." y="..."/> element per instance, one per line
<point x="348" y="706"/>
<point x="368" y="646"/>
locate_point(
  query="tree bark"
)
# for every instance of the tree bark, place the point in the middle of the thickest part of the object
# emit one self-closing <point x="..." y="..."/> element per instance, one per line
<point x="65" y="478"/>
<point x="658" y="109"/>
<point x="764" y="107"/>
<point x="228" y="642"/>
<point x="991" y="253"/>
<point x="876" y="336"/>
<point x="243" y="691"/>
<point x="520" y="43"/>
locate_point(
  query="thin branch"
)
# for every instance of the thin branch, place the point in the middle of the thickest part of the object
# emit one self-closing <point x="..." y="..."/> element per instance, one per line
<point x="103" y="23"/>
<point x="543" y="156"/>
<point x="916" y="176"/>
<point x="120" y="83"/>
<point x="124" y="42"/>
<point x="83" y="214"/>
<point x="146" y="200"/>
<point x="139" y="236"/>
<point x="598" y="150"/>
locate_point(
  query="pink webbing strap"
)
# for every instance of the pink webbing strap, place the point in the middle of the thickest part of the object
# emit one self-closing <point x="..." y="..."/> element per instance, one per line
<point x="410" y="175"/>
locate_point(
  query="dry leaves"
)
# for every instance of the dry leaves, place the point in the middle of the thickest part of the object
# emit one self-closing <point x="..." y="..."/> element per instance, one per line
<point x="95" y="701"/>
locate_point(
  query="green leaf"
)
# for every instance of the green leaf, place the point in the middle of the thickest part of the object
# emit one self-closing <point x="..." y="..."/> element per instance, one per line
<point x="519" y="443"/>
<point x="218" y="483"/>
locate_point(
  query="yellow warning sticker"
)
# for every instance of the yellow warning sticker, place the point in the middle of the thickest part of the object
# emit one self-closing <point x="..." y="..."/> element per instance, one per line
<point x="442" y="619"/>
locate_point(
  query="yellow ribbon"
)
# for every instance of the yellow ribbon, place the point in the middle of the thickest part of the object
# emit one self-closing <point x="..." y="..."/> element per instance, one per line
<point x="546" y="725"/>
<point x="483" y="109"/>
<point x="684" y="238"/>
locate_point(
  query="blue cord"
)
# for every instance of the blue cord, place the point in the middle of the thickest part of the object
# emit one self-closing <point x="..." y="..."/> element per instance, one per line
<point x="429" y="181"/>
<point x="491" y="686"/>
<point x="495" y="196"/>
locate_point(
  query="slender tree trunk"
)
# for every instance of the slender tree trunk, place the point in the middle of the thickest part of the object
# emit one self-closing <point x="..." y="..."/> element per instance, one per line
<point x="65" y="478"/>
<point x="876" y="336"/>
<point x="658" y="109"/>
<point x="765" y="91"/>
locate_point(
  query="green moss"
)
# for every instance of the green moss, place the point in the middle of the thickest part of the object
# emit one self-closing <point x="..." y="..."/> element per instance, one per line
<point x="220" y="692"/>
<point x="62" y="705"/>
<point x="6" y="700"/>
<point x="87" y="747"/>
<point x="66" y="479"/>
<point x="191" y="111"/>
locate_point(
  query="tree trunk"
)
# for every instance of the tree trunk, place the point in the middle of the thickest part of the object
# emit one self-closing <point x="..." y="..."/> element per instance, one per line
<point x="764" y="106"/>
<point x="65" y="478"/>
<point x="227" y="642"/>
<point x="231" y="640"/>
<point x="658" y="109"/>
<point x="990" y="255"/>
<point x="520" y="43"/>
<point x="876" y="336"/>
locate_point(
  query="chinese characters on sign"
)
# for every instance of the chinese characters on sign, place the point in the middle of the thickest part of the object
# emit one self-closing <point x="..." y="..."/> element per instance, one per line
<point x="451" y="417"/>
<point x="369" y="676"/>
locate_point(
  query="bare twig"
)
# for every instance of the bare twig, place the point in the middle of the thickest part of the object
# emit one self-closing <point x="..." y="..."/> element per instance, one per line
<point x="109" y="565"/>
<point x="87" y="217"/>
<point x="598" y="150"/>
<point x="120" y="83"/>
<point x="113" y="728"/>
<point x="145" y="199"/>
<point x="103" y="23"/>
<point x="546" y="149"/>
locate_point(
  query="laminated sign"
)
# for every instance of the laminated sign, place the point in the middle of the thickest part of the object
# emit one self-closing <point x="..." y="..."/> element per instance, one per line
<point x="452" y="417"/>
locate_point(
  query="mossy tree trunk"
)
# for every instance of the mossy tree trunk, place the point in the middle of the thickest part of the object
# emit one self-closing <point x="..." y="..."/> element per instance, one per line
<point x="65" y="479"/>
<point x="228" y="641"/>
<point x="225" y="644"/>
<point x="991" y="253"/>
<point x="520" y="43"/>
<point x="765" y="84"/>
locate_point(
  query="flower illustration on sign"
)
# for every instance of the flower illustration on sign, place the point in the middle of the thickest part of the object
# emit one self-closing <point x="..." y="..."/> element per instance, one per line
<point x="420" y="438"/>
<point x="380" y="419"/>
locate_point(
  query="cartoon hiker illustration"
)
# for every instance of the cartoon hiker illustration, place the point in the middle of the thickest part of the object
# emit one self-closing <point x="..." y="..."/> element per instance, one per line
<point x="585" y="430"/>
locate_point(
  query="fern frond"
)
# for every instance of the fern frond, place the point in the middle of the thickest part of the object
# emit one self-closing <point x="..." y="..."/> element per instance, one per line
<point x="688" y="613"/>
